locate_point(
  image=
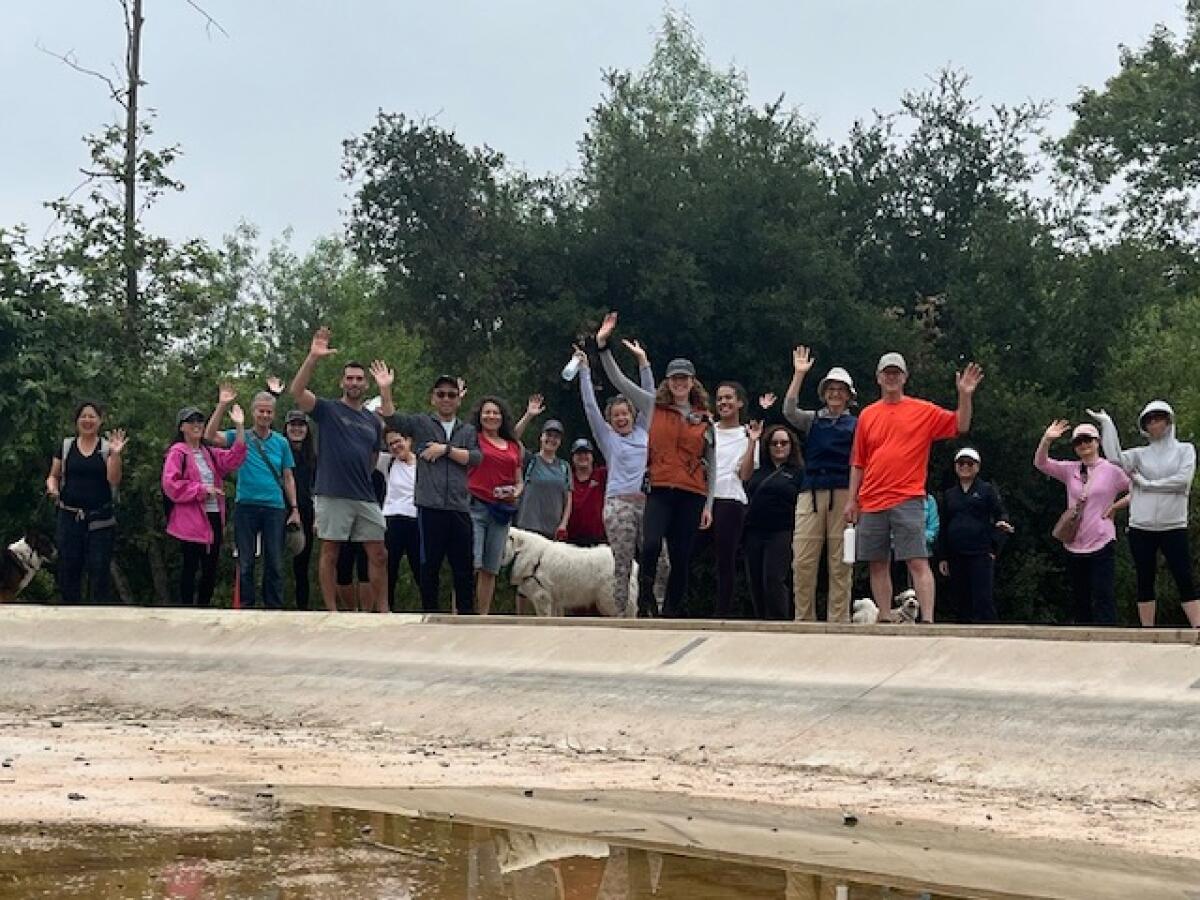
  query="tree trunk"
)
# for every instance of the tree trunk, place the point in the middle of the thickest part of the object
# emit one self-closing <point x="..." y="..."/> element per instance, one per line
<point x="120" y="582"/>
<point x="133" y="66"/>
<point x="158" y="574"/>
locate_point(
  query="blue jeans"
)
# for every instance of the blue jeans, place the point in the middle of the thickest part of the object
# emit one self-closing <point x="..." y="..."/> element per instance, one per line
<point x="251" y="520"/>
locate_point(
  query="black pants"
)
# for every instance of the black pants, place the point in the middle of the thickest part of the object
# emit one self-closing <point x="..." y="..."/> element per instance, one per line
<point x="1092" y="588"/>
<point x="82" y="551"/>
<point x="673" y="515"/>
<point x="301" y="560"/>
<point x="403" y="539"/>
<point x="769" y="568"/>
<point x="725" y="536"/>
<point x="202" y="559"/>
<point x="971" y="583"/>
<point x="446" y="535"/>
<point x="1144" y="547"/>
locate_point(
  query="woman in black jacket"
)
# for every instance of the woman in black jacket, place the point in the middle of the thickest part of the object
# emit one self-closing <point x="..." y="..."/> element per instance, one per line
<point x="974" y="526"/>
<point x="772" y="489"/>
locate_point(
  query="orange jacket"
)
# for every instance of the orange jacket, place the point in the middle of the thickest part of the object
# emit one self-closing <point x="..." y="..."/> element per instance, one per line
<point x="677" y="450"/>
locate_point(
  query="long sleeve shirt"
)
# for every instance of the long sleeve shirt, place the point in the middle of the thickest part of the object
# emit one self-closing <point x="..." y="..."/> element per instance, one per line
<point x="624" y="455"/>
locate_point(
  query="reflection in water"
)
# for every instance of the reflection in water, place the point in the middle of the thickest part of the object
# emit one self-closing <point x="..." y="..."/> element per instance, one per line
<point x="334" y="853"/>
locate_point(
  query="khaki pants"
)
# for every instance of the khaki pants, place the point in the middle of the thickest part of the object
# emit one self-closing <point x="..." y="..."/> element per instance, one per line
<point x="819" y="524"/>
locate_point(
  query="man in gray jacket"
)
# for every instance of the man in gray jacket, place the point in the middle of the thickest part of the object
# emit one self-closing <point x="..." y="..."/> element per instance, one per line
<point x="446" y="447"/>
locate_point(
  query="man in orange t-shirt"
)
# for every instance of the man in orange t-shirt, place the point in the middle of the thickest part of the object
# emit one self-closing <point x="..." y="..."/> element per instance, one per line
<point x="887" y="477"/>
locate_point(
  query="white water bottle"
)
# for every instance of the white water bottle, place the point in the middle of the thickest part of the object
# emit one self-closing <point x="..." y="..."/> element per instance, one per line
<point x="848" y="551"/>
<point x="571" y="369"/>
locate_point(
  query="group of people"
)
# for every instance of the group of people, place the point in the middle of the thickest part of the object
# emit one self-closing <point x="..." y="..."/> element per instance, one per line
<point x="784" y="492"/>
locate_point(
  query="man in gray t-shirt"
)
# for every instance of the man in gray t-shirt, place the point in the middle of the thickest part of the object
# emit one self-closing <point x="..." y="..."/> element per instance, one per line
<point x="345" y="503"/>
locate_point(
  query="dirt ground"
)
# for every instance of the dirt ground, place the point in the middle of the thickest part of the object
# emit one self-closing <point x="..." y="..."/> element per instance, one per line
<point x="84" y="765"/>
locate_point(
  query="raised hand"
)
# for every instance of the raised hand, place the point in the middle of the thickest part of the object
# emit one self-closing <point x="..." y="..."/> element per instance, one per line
<point x="767" y="400"/>
<point x="237" y="416"/>
<point x="1056" y="429"/>
<point x="384" y="377"/>
<point x="607" y="327"/>
<point x="1098" y="414"/>
<point x="754" y="430"/>
<point x="226" y="393"/>
<point x="968" y="379"/>
<point x="320" y="344"/>
<point x="802" y="360"/>
<point x="462" y="388"/>
<point x="275" y="384"/>
<point x="638" y="351"/>
<point x="536" y="404"/>
<point x="581" y="357"/>
<point x="116" y="441"/>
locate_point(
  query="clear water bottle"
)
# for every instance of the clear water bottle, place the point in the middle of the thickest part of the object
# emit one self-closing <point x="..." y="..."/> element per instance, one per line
<point x="848" y="550"/>
<point x="571" y="369"/>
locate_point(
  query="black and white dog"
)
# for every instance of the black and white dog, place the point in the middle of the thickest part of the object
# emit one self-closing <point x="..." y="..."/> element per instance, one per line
<point x="22" y="560"/>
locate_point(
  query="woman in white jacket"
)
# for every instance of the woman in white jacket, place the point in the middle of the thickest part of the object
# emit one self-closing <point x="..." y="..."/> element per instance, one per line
<point x="1161" y="474"/>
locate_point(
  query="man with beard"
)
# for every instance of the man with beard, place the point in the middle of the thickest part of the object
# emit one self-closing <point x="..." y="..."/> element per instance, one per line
<point x="346" y="506"/>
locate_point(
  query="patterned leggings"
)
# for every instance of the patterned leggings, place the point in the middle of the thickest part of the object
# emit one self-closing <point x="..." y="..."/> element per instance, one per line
<point x="623" y="525"/>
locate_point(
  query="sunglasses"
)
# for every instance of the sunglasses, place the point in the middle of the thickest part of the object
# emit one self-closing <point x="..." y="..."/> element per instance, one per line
<point x="194" y="420"/>
<point x="446" y="395"/>
<point x="1082" y="440"/>
<point x="783" y="443"/>
<point x="965" y="462"/>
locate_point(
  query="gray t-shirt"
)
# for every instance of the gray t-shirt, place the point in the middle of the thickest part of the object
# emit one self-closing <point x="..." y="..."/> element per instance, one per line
<point x="346" y="443"/>
<point x="547" y="486"/>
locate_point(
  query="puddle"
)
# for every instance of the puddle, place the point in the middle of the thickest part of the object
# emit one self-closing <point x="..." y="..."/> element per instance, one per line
<point x="331" y="853"/>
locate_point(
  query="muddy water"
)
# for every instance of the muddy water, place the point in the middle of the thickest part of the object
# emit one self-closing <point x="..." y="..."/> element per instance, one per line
<point x="335" y="853"/>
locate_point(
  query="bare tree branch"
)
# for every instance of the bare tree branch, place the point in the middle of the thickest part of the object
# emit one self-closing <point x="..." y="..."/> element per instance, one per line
<point x="70" y="61"/>
<point x="209" y="22"/>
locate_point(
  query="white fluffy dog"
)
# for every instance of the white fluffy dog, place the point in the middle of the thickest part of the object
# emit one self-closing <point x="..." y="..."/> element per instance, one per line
<point x="557" y="577"/>
<point x="905" y="609"/>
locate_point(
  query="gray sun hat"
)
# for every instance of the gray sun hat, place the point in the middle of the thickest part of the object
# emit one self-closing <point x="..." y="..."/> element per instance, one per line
<point x="837" y="373"/>
<point x="296" y="540"/>
<point x="888" y="360"/>
<point x="680" y="366"/>
<point x="186" y="413"/>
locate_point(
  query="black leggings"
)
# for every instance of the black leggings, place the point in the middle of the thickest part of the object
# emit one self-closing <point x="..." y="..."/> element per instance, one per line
<point x="769" y="566"/>
<point x="728" y="518"/>
<point x="300" y="560"/>
<point x="403" y="539"/>
<point x="1092" y="588"/>
<point x="1144" y="546"/>
<point x="200" y="558"/>
<point x="971" y="583"/>
<point x="674" y="515"/>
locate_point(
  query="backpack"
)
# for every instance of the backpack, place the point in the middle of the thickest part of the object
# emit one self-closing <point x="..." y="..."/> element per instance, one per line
<point x="563" y="469"/>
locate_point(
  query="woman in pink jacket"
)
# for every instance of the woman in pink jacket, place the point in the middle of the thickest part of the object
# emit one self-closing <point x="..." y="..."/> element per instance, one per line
<point x="191" y="483"/>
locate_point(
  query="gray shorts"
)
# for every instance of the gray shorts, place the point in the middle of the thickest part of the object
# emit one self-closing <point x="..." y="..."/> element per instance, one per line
<point x="900" y="529"/>
<point x="342" y="519"/>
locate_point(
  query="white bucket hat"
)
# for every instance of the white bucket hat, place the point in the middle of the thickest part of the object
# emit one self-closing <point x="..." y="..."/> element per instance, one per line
<point x="837" y="373"/>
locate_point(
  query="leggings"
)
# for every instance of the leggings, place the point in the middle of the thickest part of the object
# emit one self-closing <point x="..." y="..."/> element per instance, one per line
<point x="1144" y="547"/>
<point x="672" y="515"/>
<point x="300" y="560"/>
<point x="200" y="558"/>
<point x="971" y="581"/>
<point x="728" y="518"/>
<point x="769" y="566"/>
<point x="623" y="524"/>
<point x="403" y="539"/>
<point x="1092" y="589"/>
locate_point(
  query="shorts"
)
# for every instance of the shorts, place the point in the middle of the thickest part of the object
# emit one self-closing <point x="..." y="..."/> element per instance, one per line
<point x="343" y="519"/>
<point x="490" y="537"/>
<point x="899" y="530"/>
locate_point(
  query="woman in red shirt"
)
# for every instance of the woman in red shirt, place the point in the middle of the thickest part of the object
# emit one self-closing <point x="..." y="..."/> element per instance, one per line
<point x="495" y="486"/>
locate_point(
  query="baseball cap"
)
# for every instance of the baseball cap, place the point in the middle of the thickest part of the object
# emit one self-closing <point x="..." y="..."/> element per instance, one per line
<point x="444" y="379"/>
<point x="1085" y="429"/>
<point x="552" y="425"/>
<point x="967" y="453"/>
<point x="188" y="412"/>
<point x="296" y="415"/>
<point x="891" y="359"/>
<point x="581" y="444"/>
<point x="680" y="366"/>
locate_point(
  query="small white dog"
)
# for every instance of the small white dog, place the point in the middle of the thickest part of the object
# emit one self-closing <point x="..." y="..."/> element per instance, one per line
<point x="556" y="577"/>
<point x="905" y="609"/>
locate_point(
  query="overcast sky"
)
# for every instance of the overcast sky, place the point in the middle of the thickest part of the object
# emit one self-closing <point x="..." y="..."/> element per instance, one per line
<point x="261" y="114"/>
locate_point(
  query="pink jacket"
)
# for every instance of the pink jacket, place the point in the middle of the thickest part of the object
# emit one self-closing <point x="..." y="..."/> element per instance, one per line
<point x="181" y="485"/>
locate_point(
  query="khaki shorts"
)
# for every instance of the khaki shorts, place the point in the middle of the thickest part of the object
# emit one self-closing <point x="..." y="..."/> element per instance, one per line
<point x="342" y="519"/>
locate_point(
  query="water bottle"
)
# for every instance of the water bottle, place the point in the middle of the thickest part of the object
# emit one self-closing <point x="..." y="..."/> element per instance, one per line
<point x="571" y="369"/>
<point x="848" y="552"/>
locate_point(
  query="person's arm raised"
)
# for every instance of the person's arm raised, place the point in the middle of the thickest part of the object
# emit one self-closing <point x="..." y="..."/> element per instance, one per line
<point x="226" y="394"/>
<point x="317" y="351"/>
<point x="802" y="363"/>
<point x="115" y="467"/>
<point x="967" y="381"/>
<point x="534" y="407"/>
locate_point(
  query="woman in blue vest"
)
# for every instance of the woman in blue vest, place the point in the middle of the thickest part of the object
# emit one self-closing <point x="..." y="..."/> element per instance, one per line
<point x="829" y="435"/>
